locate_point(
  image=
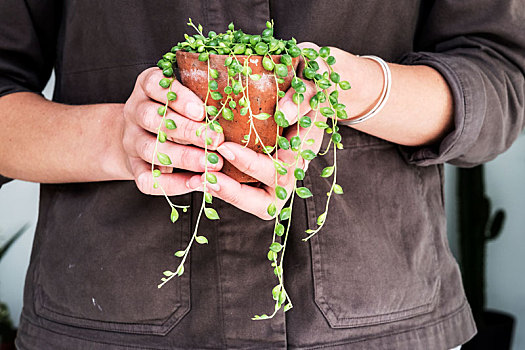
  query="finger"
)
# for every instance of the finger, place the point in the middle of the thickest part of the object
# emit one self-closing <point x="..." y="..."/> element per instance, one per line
<point x="181" y="156"/>
<point x="323" y="67"/>
<point x="185" y="131"/>
<point x="165" y="169"/>
<point x="187" y="103"/>
<point x="257" y="165"/>
<point x="261" y="167"/>
<point x="173" y="184"/>
<point x="291" y="110"/>
<point x="313" y="134"/>
<point x="245" y="197"/>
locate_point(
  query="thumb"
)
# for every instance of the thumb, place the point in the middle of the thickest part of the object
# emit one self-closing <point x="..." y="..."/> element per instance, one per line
<point x="288" y="106"/>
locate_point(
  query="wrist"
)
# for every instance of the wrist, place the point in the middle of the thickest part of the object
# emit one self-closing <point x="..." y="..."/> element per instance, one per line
<point x="365" y="77"/>
<point x="114" y="160"/>
<point x="367" y="86"/>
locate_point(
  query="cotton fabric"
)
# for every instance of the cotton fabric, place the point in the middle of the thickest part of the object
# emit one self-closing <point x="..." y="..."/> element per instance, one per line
<point x="379" y="275"/>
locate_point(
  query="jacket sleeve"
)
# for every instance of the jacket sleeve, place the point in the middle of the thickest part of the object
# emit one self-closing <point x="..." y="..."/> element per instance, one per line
<point x="28" y="32"/>
<point x="479" y="48"/>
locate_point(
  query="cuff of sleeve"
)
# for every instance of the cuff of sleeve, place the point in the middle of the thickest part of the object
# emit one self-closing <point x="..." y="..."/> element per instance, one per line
<point x="8" y="86"/>
<point x="469" y="109"/>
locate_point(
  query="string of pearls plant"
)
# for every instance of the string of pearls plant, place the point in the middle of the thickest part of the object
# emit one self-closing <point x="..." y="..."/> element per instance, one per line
<point x="235" y="43"/>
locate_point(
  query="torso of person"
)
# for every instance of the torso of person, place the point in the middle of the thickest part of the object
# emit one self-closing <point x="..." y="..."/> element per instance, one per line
<point x="379" y="275"/>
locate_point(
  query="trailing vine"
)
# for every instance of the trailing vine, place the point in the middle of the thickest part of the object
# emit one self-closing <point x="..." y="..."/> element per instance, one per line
<point x="239" y="47"/>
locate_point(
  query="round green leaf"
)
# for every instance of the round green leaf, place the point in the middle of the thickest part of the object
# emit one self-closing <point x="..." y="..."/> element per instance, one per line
<point x="328" y="171"/>
<point x="213" y="85"/>
<point x="286" y="59"/>
<point x="299" y="173"/>
<point x="285" y="214"/>
<point x="267" y="63"/>
<point x="262" y="116"/>
<point x="324" y="52"/>
<point x="171" y="96"/>
<point x="201" y="239"/>
<point x="279" y="229"/>
<point x="303" y="192"/>
<point x="174" y="215"/>
<point x="276" y="247"/>
<point x="283" y="142"/>
<point x="272" y="256"/>
<point x="170" y="124"/>
<point x="305" y="121"/>
<point x="280" y="119"/>
<point x="211" y="214"/>
<point x="211" y="178"/>
<point x="165" y="83"/>
<point x="212" y="110"/>
<point x="308" y="154"/>
<point x="216" y="95"/>
<point x="281" y="70"/>
<point x="336" y="137"/>
<point x="271" y="209"/>
<point x="295" y="143"/>
<point x="163" y="158"/>
<point x="214" y="73"/>
<point x="281" y="193"/>
<point x="227" y="114"/>
<point x="335" y="77"/>
<point x="213" y="158"/>
<point x="321" y="218"/>
<point x="344" y="85"/>
<point x="321" y="125"/>
<point x="327" y="111"/>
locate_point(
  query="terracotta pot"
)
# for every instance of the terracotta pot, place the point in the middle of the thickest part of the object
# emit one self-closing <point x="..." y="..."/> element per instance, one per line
<point x="262" y="93"/>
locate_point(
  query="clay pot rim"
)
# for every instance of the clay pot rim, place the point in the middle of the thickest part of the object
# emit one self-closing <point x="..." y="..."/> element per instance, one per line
<point x="216" y="55"/>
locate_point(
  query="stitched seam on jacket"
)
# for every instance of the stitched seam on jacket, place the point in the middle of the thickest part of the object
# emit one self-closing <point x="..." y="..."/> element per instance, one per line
<point x="91" y="340"/>
<point x="442" y="319"/>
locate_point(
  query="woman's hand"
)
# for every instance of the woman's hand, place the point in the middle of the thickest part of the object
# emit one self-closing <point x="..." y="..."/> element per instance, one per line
<point x="256" y="200"/>
<point x="417" y="113"/>
<point x="183" y="146"/>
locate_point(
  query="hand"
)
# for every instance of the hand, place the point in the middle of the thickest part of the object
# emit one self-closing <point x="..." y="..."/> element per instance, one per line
<point x="291" y="111"/>
<point x="140" y="128"/>
<point x="256" y="200"/>
<point x="362" y="73"/>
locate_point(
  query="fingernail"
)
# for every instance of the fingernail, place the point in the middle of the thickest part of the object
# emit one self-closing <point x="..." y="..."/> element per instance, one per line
<point x="214" y="187"/>
<point x="210" y="165"/>
<point x="194" y="182"/>
<point x="194" y="110"/>
<point x="226" y="152"/>
<point x="143" y="180"/>
<point x="290" y="110"/>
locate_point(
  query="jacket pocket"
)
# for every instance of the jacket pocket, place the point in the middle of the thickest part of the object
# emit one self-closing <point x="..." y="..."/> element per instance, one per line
<point x="375" y="259"/>
<point x="99" y="262"/>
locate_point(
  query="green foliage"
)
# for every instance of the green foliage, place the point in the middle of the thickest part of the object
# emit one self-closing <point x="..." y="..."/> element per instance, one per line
<point x="225" y="102"/>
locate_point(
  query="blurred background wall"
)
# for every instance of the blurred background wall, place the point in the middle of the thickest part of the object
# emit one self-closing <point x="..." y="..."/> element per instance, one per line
<point x="505" y="185"/>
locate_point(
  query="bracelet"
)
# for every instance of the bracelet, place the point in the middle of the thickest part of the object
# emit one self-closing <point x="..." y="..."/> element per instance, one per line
<point x="385" y="93"/>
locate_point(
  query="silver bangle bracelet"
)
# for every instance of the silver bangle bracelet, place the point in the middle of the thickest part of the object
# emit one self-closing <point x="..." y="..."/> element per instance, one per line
<point x="385" y="93"/>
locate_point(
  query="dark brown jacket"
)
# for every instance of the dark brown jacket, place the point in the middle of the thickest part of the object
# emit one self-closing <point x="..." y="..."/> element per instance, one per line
<point x="380" y="275"/>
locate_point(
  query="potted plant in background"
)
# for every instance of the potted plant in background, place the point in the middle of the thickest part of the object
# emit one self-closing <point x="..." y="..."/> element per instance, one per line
<point x="476" y="227"/>
<point x="7" y="329"/>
